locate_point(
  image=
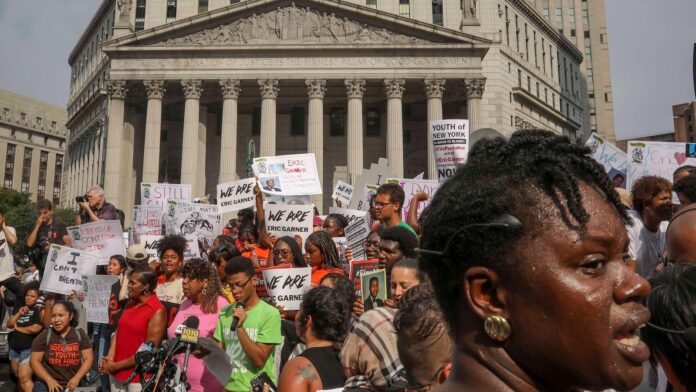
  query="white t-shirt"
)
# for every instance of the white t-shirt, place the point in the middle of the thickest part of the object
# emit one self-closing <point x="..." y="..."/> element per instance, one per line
<point x="7" y="265"/>
<point x="646" y="247"/>
<point x="171" y="291"/>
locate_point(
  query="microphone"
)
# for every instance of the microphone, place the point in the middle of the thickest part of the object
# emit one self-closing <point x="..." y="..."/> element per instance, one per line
<point x="190" y="338"/>
<point x="191" y="323"/>
<point x="235" y="320"/>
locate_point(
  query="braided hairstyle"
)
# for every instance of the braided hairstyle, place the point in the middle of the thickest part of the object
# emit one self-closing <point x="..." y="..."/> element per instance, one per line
<point x="504" y="177"/>
<point x="201" y="269"/>
<point x="322" y="240"/>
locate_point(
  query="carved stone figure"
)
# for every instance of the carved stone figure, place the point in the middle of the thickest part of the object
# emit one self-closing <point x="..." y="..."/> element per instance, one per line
<point x="124" y="8"/>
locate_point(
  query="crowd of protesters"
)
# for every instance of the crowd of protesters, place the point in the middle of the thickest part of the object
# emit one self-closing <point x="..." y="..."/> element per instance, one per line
<point x="528" y="271"/>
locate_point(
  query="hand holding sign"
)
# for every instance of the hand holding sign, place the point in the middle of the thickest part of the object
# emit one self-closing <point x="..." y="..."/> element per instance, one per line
<point x="287" y="286"/>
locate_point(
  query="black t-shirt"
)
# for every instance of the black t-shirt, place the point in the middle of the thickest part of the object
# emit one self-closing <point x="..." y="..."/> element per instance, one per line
<point x="19" y="341"/>
<point x="53" y="233"/>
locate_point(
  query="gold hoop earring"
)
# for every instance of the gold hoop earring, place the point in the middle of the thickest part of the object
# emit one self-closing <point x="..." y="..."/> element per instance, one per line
<point x="497" y="328"/>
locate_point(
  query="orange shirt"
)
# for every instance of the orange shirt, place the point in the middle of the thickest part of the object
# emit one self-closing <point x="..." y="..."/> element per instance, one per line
<point x="261" y="253"/>
<point x="319" y="274"/>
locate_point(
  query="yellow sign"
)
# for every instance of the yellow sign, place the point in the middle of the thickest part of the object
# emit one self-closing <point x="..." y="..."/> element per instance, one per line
<point x="189" y="335"/>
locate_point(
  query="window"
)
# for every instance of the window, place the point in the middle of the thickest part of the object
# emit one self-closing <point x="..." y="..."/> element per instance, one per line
<point x="437" y="12"/>
<point x="9" y="165"/>
<point x="139" y="25"/>
<point x="234" y="1"/>
<point x="587" y="34"/>
<point x="57" y="179"/>
<point x="526" y="42"/>
<point x="507" y="26"/>
<point x="588" y="56"/>
<point x="338" y="121"/>
<point x="164" y="135"/>
<point x="171" y="10"/>
<point x="607" y="97"/>
<point x="517" y="33"/>
<point x="546" y="14"/>
<point x="373" y="122"/>
<point x="602" y="38"/>
<point x="553" y="100"/>
<point x="537" y="90"/>
<point x="297" y="121"/>
<point x="572" y="32"/>
<point x="371" y="3"/>
<point x="585" y="18"/>
<point x="26" y="169"/>
<point x="571" y="16"/>
<point x="405" y="8"/>
<point x="519" y="78"/>
<point x="43" y="165"/>
<point x="53" y="124"/>
<point x="546" y="95"/>
<point x="256" y="121"/>
<point x="559" y="18"/>
<point x="509" y="67"/>
<point x="529" y="84"/>
<point x="202" y="6"/>
<point x="140" y="9"/>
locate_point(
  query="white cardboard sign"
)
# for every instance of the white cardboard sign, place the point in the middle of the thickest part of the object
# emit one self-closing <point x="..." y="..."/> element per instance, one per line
<point x="611" y="157"/>
<point x="351" y="215"/>
<point x="356" y="236"/>
<point x="158" y="194"/>
<point x="413" y="186"/>
<point x="150" y="242"/>
<point x="656" y="159"/>
<point x="65" y="268"/>
<point x="343" y="192"/>
<point x="289" y="220"/>
<point x="236" y="195"/>
<point x="97" y="296"/>
<point x="288" y="175"/>
<point x="287" y="286"/>
<point x="102" y="238"/>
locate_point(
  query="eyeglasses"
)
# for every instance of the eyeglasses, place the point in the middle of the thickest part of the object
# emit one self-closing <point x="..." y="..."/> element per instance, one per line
<point x="239" y="286"/>
<point x="379" y="205"/>
<point x="371" y="245"/>
<point x="283" y="253"/>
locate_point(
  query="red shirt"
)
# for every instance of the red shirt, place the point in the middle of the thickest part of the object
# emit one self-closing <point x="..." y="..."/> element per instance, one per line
<point x="132" y="332"/>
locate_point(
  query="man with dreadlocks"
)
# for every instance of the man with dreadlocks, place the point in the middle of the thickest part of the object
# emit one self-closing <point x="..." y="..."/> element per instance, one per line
<point x="525" y="246"/>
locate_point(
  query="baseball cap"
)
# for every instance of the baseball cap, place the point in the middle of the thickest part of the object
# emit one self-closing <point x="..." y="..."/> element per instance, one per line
<point x="136" y="252"/>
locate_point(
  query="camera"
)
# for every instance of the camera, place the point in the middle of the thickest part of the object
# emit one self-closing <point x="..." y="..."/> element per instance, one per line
<point x="81" y="199"/>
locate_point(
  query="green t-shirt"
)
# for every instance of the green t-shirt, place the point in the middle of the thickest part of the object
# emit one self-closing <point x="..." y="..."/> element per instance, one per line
<point x="406" y="226"/>
<point x="263" y="326"/>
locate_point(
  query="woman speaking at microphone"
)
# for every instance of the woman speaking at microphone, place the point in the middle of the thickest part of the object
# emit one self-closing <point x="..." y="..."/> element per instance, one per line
<point x="142" y="321"/>
<point x="204" y="300"/>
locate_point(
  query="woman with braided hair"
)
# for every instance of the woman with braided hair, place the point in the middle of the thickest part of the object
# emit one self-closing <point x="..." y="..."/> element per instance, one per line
<point x="526" y="249"/>
<point x="204" y="300"/>
<point x="322" y="256"/>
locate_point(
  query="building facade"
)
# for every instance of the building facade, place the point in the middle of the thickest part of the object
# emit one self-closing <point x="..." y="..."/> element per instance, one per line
<point x="684" y="121"/>
<point x="173" y="91"/>
<point x="32" y="146"/>
<point x="584" y="23"/>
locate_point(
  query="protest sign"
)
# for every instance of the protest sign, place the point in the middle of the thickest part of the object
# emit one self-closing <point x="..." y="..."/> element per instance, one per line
<point x="192" y="251"/>
<point x="656" y="159"/>
<point x="374" y="288"/>
<point x="341" y="245"/>
<point x="287" y="286"/>
<point x="357" y="269"/>
<point x="199" y="220"/>
<point x="236" y="195"/>
<point x="150" y="242"/>
<point x="158" y="194"/>
<point x="356" y="235"/>
<point x="261" y="289"/>
<point x="285" y="219"/>
<point x="368" y="191"/>
<point x="97" y="296"/>
<point x="343" y="192"/>
<point x="288" y="174"/>
<point x="373" y="177"/>
<point x="350" y="215"/>
<point x="611" y="157"/>
<point x="413" y="186"/>
<point x="102" y="238"/>
<point x="450" y="145"/>
<point x="146" y="220"/>
<point x="65" y="268"/>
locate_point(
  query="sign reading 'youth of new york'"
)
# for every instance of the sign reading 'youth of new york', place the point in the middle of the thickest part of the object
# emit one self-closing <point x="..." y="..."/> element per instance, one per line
<point x="450" y="145"/>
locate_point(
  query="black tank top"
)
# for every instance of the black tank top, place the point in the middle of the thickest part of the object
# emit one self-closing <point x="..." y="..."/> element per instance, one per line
<point x="325" y="360"/>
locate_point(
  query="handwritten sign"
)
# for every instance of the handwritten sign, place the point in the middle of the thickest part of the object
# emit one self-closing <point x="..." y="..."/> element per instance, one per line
<point x="289" y="220"/>
<point x="97" y="296"/>
<point x="611" y="157"/>
<point x="193" y="250"/>
<point x="199" y="220"/>
<point x="343" y="192"/>
<point x="357" y="269"/>
<point x="150" y="242"/>
<point x="158" y="194"/>
<point x="656" y="159"/>
<point x="102" y="238"/>
<point x="356" y="236"/>
<point x="65" y="268"/>
<point x="413" y="186"/>
<point x="146" y="220"/>
<point x="288" y="174"/>
<point x="287" y="286"/>
<point x="350" y="215"/>
<point x="236" y="195"/>
<point x="450" y="144"/>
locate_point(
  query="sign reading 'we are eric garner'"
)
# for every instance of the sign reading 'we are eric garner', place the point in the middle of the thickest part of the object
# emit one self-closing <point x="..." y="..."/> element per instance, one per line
<point x="65" y="268"/>
<point x="151" y="242"/>
<point x="97" y="296"/>
<point x="236" y="195"/>
<point x="450" y="144"/>
<point x="102" y="238"/>
<point x="289" y="220"/>
<point x="611" y="157"/>
<point x="287" y="286"/>
<point x="343" y="192"/>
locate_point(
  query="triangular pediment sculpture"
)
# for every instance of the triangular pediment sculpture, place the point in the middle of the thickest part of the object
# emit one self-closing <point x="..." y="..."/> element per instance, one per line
<point x="292" y="24"/>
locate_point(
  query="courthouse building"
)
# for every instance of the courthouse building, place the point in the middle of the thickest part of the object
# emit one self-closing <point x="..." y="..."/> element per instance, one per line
<point x="175" y="90"/>
<point x="32" y="146"/>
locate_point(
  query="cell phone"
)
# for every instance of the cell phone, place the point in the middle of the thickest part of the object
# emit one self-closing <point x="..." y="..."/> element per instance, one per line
<point x="258" y="382"/>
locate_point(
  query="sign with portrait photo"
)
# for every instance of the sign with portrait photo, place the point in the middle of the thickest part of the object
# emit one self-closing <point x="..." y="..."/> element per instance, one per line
<point x="374" y="288"/>
<point x="288" y="175"/>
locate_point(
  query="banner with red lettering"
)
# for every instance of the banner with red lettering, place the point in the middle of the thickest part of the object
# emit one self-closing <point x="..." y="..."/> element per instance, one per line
<point x="288" y="175"/>
<point x="102" y="238"/>
<point x="450" y="145"/>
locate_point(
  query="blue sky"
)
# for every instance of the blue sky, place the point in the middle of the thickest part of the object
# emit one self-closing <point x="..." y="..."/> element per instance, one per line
<point x="650" y="46"/>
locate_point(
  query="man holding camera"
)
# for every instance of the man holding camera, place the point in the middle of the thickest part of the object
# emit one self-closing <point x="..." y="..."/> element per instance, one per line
<point x="94" y="208"/>
<point x="47" y="231"/>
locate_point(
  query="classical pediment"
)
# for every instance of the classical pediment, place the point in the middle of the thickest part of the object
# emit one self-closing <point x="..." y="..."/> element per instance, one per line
<point x="293" y="24"/>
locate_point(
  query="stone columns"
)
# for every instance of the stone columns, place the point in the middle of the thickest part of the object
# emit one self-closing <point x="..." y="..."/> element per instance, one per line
<point x="269" y="93"/>
<point x="474" y="92"/>
<point x="189" y="148"/>
<point x="228" y="143"/>
<point x="153" y="128"/>
<point x="316" y="88"/>
<point x="394" y="90"/>
<point x="100" y="145"/>
<point x="199" y="187"/>
<point x="434" y="89"/>
<point x="355" y="89"/>
<point x="91" y="164"/>
<point x="112" y="176"/>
